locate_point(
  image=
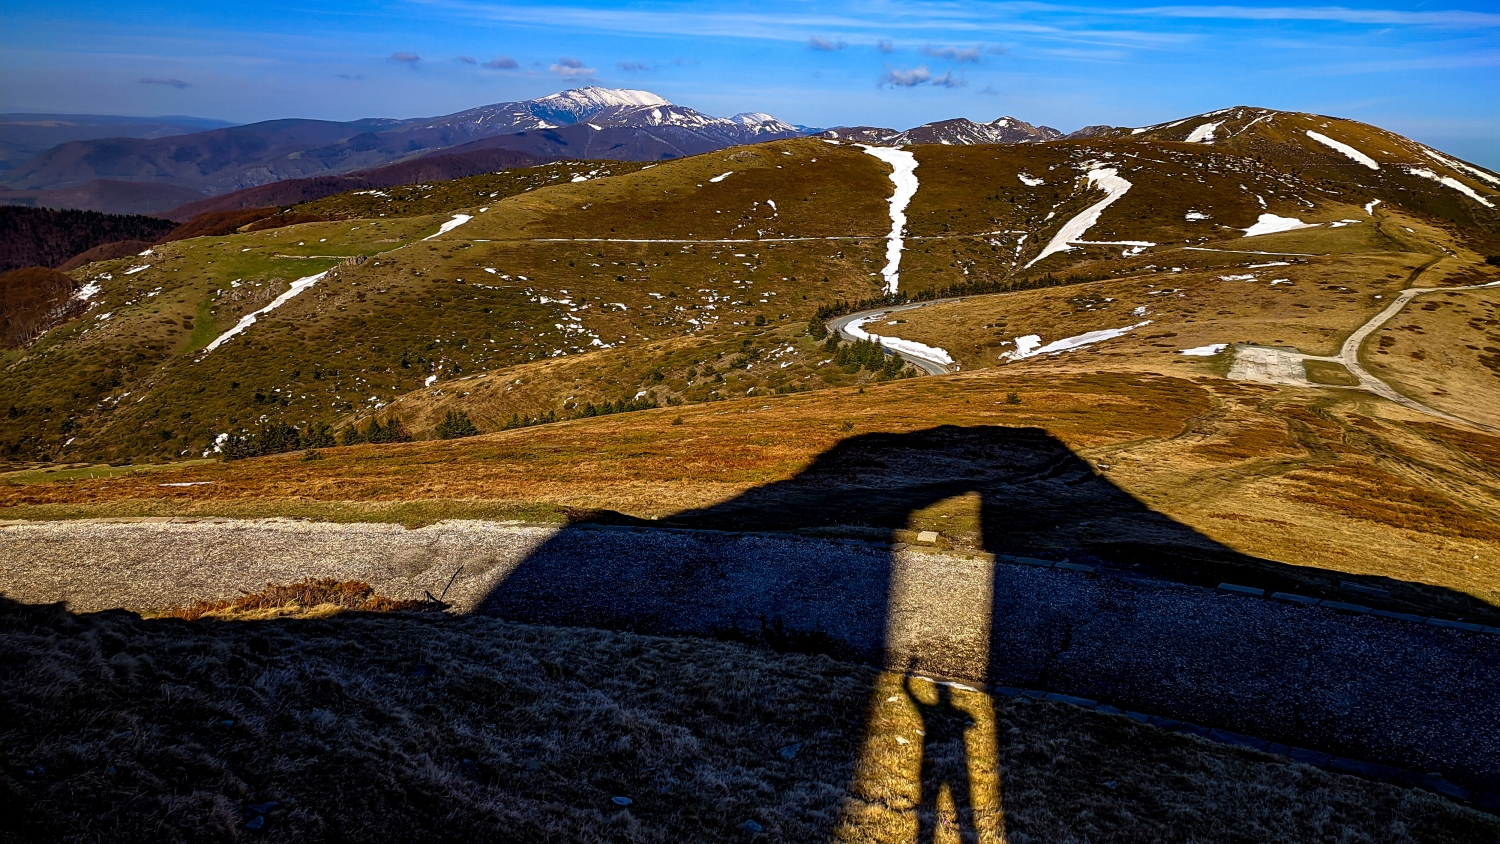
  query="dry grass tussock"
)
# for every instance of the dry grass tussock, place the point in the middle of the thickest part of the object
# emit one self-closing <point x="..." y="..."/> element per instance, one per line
<point x="425" y="727"/>
<point x="313" y="596"/>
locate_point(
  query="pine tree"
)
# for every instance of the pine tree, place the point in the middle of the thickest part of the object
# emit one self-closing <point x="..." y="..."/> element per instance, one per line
<point x="456" y="424"/>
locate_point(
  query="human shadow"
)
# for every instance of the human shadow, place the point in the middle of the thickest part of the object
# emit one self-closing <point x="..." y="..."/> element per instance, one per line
<point x="944" y="728"/>
<point x="815" y="564"/>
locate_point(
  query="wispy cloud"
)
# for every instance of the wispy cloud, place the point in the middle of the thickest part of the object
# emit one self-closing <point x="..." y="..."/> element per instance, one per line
<point x="571" y="68"/>
<point x="634" y="67"/>
<point x="885" y="45"/>
<point x="824" y="45"/>
<point x="901" y="77"/>
<point x="904" y="78"/>
<point x="962" y="55"/>
<point x="502" y="63"/>
<point x="1339" y="14"/>
<point x="170" y="83"/>
<point x="404" y="56"/>
<point x="465" y="60"/>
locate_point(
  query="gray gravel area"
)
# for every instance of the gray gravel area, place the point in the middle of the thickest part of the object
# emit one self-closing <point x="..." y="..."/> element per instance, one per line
<point x="153" y="564"/>
<point x="1404" y="694"/>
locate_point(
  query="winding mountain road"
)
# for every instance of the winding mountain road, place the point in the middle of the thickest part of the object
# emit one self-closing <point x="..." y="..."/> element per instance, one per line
<point x="840" y="326"/>
<point x="1349" y="353"/>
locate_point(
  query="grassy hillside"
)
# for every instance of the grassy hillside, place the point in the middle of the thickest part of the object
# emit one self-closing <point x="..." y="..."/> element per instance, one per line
<point x="577" y="259"/>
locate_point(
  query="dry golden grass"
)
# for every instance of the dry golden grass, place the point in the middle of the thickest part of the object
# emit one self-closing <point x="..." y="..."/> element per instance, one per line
<point x="1324" y="301"/>
<point x="414" y="728"/>
<point x="1319" y="483"/>
<point x="1444" y="350"/>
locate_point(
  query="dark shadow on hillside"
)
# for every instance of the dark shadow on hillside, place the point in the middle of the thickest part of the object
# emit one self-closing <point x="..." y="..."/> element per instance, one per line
<point x="1036" y="498"/>
<point x="746" y="569"/>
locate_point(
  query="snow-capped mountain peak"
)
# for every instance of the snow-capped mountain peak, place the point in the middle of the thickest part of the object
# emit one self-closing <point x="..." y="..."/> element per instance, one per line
<point x="595" y="97"/>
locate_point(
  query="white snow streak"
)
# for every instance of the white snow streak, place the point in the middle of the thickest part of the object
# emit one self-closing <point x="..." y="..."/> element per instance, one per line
<point x="1203" y="134"/>
<point x="1029" y="180"/>
<point x="458" y="220"/>
<point x="1271" y="224"/>
<point x="1345" y="149"/>
<point x="1204" y="351"/>
<point x="904" y="176"/>
<point x="1452" y="183"/>
<point x="1107" y="178"/>
<point x="134" y="270"/>
<point x="722" y="176"/>
<point x="896" y="344"/>
<point x="1027" y="346"/>
<point x="1370" y="206"/>
<point x="248" y="320"/>
<point x="1459" y="165"/>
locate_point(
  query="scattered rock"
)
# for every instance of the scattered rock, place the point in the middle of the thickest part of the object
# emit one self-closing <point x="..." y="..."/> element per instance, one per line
<point x="790" y="751"/>
<point x="621" y="801"/>
<point x="928" y="537"/>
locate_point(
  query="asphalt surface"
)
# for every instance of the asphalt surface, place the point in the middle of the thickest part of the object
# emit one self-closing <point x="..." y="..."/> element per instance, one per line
<point x="1382" y="690"/>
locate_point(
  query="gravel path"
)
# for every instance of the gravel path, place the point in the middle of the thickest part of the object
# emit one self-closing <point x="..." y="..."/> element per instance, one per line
<point x="1370" y="688"/>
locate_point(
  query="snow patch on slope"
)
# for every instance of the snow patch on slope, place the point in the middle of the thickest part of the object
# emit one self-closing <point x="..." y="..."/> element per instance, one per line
<point x="458" y="220"/>
<point x="1271" y="224"/>
<point x="1344" y="148"/>
<point x="1452" y="183"/>
<point x="1203" y="134"/>
<point x="1459" y="165"/>
<point x="248" y="320"/>
<point x="1107" y="178"/>
<point x="904" y="176"/>
<point x="1030" y="345"/>
<point x="1204" y="351"/>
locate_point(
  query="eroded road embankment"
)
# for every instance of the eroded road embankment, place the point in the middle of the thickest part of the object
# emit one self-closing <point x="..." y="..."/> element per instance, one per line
<point x="1371" y="688"/>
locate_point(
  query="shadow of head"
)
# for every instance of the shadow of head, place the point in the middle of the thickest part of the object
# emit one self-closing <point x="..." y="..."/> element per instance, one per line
<point x="1026" y="482"/>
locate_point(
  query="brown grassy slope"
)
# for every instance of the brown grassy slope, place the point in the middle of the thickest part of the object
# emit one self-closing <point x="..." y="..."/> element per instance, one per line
<point x="415" y="729"/>
<point x="381" y="329"/>
<point x="1444" y="350"/>
<point x="1320" y="483"/>
<point x="377" y="331"/>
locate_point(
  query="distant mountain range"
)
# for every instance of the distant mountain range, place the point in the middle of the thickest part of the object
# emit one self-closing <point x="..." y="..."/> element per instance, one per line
<point x="957" y="132"/>
<point x="581" y="123"/>
<point x="25" y="136"/>
<point x="180" y="167"/>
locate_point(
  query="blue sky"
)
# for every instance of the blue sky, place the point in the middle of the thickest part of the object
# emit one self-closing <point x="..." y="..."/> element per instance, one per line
<point x="1430" y="70"/>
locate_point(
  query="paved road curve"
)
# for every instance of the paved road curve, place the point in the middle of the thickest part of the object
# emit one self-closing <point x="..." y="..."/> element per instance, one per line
<point x="840" y="326"/>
